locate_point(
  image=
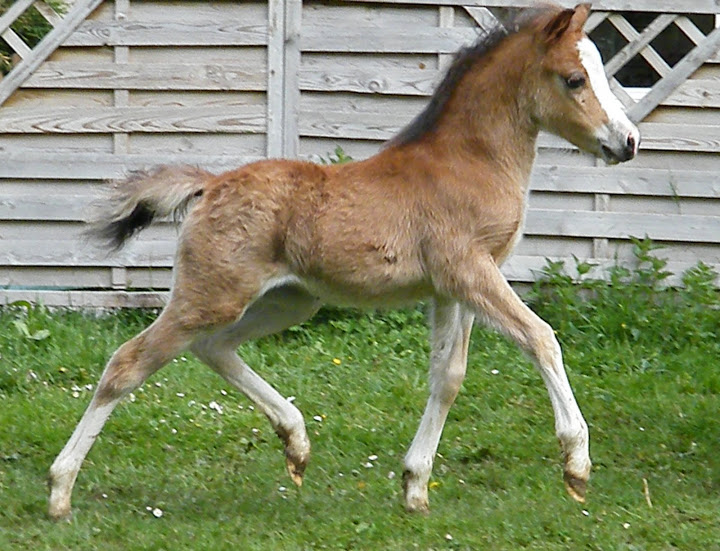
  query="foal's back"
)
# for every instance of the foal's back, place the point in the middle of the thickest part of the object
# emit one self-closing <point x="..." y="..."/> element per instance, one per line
<point x="353" y="233"/>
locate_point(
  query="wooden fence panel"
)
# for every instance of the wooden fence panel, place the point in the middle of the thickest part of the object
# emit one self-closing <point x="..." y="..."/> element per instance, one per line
<point x="221" y="83"/>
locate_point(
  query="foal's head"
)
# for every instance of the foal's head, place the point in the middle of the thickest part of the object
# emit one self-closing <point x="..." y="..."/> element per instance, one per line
<point x="572" y="95"/>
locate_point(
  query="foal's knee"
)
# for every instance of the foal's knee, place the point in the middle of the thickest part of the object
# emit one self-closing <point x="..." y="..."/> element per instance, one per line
<point x="544" y="346"/>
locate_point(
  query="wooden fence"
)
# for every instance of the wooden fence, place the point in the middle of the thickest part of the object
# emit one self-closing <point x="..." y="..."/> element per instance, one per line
<point x="125" y="85"/>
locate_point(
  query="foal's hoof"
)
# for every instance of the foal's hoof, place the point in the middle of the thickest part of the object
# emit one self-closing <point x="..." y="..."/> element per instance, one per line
<point x="416" y="498"/>
<point x="417" y="507"/>
<point x="575" y="486"/>
<point x="297" y="453"/>
<point x="59" y="501"/>
<point x="296" y="471"/>
<point x="60" y="516"/>
<point x="59" y="513"/>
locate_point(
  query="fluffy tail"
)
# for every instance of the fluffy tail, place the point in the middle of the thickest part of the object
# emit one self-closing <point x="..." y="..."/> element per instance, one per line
<point x="132" y="204"/>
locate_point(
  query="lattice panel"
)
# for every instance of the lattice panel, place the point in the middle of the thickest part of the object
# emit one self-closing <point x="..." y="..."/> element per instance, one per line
<point x="31" y="58"/>
<point x="640" y="43"/>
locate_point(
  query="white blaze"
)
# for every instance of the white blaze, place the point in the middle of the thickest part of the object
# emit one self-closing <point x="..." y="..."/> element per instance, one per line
<point x="618" y="123"/>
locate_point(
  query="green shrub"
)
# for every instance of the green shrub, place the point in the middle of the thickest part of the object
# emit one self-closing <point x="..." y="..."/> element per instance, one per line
<point x="631" y="305"/>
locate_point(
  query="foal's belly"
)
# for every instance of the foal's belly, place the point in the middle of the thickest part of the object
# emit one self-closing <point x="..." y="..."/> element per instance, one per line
<point x="353" y="294"/>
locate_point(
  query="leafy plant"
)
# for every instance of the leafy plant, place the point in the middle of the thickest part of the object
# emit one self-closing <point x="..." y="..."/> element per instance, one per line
<point x="632" y="304"/>
<point x="338" y="157"/>
<point x="29" y="321"/>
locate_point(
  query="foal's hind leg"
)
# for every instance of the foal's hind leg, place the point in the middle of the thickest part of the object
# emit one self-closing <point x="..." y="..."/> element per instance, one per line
<point x="190" y="312"/>
<point x="451" y="327"/>
<point x="278" y="309"/>
<point x="128" y="368"/>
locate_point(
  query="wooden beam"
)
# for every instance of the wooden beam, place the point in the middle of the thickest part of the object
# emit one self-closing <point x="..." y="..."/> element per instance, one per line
<point x="103" y="166"/>
<point x="377" y="40"/>
<point x="622" y="180"/>
<point x="70" y="120"/>
<point x="161" y="33"/>
<point x="86" y="299"/>
<point x="291" y="87"/>
<point x="622" y="225"/>
<point x="406" y="82"/>
<point x="149" y="76"/>
<point x="275" y="78"/>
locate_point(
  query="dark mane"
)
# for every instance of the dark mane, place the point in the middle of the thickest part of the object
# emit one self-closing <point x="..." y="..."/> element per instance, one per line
<point x="463" y="61"/>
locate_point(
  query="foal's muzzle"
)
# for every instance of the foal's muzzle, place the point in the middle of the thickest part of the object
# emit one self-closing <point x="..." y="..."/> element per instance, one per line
<point x="622" y="149"/>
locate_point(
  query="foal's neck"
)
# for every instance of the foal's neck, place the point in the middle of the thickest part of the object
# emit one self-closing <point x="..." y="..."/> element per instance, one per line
<point x="488" y="119"/>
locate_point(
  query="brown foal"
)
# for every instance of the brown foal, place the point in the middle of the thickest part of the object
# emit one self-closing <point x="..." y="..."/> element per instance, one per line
<point x="430" y="217"/>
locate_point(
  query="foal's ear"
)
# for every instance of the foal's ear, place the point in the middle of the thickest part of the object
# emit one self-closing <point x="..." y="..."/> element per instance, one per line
<point x="582" y="12"/>
<point x="571" y="19"/>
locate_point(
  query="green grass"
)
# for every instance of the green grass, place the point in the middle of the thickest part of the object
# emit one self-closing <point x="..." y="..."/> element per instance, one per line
<point x="643" y="362"/>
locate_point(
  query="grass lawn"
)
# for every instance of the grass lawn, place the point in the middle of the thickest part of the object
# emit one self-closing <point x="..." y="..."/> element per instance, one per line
<point x="187" y="463"/>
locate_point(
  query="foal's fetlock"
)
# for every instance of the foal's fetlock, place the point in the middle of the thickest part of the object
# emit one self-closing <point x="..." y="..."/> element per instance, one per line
<point x="415" y="493"/>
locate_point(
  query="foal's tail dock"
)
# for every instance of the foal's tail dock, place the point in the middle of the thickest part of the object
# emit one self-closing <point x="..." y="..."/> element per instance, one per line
<point x="132" y="204"/>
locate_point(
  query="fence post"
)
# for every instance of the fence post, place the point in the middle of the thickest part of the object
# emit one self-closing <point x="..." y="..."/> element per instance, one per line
<point x="276" y="72"/>
<point x="283" y="93"/>
<point x="293" y="18"/>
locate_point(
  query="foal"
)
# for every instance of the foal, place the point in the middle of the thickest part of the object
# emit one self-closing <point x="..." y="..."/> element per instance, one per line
<point x="432" y="216"/>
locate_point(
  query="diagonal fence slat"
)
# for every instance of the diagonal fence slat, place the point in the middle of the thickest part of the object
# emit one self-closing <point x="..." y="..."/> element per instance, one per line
<point x="80" y="10"/>
<point x="16" y="43"/>
<point x="651" y="56"/>
<point x="595" y="19"/>
<point x="690" y="29"/>
<point x="636" y="46"/>
<point x="15" y="11"/>
<point x="681" y="72"/>
<point x="484" y="18"/>
<point x="49" y="14"/>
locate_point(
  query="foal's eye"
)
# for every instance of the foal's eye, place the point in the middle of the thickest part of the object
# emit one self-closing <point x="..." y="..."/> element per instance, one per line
<point x="575" y="81"/>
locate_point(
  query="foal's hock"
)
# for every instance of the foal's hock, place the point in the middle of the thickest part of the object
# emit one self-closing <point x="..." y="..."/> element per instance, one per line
<point x="430" y="217"/>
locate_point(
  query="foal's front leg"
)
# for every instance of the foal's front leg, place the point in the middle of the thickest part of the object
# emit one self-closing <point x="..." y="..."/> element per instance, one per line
<point x="451" y="326"/>
<point x="485" y="289"/>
